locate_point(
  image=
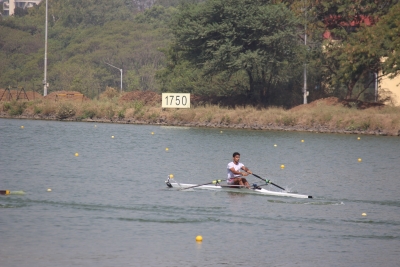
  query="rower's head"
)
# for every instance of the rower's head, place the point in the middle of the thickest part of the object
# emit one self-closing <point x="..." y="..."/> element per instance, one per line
<point x="236" y="157"/>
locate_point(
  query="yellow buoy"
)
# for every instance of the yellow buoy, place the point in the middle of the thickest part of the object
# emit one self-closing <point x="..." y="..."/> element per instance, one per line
<point x="166" y="149"/>
<point x="364" y="214"/>
<point x="152" y="132"/>
<point x="199" y="238"/>
<point x="282" y="166"/>
<point x="359" y="160"/>
<point x="302" y="141"/>
<point x="48" y="189"/>
<point x="358" y="138"/>
<point x="275" y="145"/>
<point x="171" y="176"/>
<point x="112" y="136"/>
<point x="76" y="154"/>
<point x="221" y="131"/>
<point x="22" y="127"/>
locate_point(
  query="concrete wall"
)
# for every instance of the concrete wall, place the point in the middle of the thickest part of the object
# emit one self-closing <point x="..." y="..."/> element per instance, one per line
<point x="11" y="7"/>
<point x="393" y="86"/>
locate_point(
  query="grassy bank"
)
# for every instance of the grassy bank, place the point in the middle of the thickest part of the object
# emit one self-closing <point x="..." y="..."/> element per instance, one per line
<point x="325" y="115"/>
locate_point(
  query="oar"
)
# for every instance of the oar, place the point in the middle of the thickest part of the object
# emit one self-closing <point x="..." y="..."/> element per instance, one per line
<point x="213" y="182"/>
<point x="269" y="182"/>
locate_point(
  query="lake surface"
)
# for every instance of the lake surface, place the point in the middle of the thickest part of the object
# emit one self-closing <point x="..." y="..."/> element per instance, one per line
<point x="109" y="206"/>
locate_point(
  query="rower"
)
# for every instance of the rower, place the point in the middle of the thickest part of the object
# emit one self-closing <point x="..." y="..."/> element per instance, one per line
<point x="236" y="171"/>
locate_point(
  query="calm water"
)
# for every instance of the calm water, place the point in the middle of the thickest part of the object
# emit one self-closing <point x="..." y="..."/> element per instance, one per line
<point x="110" y="207"/>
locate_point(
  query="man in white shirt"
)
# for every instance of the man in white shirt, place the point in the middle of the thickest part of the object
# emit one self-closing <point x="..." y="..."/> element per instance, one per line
<point x="234" y="172"/>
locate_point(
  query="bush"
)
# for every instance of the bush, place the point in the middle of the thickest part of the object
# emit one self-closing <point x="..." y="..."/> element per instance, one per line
<point x="153" y="117"/>
<point x="209" y="116"/>
<point x="6" y="106"/>
<point x="65" y="111"/>
<point x="138" y="106"/>
<point x="88" y="114"/>
<point x="109" y="112"/>
<point x="49" y="109"/>
<point x="37" y="110"/>
<point x="288" y="121"/>
<point x="109" y="93"/>
<point x="121" y="114"/>
<point x="17" y="108"/>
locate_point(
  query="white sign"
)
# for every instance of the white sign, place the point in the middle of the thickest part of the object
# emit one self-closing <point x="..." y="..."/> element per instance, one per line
<point x="176" y="100"/>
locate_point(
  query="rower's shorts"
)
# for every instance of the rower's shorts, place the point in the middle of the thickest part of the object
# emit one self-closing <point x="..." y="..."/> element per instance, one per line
<point x="230" y="181"/>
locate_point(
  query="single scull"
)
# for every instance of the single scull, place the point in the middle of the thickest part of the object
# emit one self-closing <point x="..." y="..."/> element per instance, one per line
<point x="228" y="188"/>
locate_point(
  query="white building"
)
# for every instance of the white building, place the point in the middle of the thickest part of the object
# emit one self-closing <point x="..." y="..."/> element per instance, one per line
<point x="10" y="5"/>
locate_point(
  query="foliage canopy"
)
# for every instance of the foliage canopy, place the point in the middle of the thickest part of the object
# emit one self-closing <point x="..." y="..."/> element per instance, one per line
<point x="253" y="39"/>
<point x="236" y="49"/>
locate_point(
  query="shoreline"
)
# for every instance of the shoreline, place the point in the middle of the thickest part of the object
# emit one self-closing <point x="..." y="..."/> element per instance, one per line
<point x="254" y="126"/>
<point x="325" y="115"/>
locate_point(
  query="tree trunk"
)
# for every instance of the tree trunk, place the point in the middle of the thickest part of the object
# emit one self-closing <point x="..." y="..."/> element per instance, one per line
<point x="350" y="87"/>
<point x="250" y="94"/>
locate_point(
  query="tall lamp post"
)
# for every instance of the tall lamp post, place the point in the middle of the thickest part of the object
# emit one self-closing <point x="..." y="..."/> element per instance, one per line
<point x="305" y="92"/>
<point x="117" y="69"/>
<point x="45" y="57"/>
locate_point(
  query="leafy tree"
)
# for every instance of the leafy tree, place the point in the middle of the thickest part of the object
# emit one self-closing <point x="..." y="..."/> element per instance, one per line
<point x="349" y="60"/>
<point x="251" y="38"/>
<point x="20" y="12"/>
<point x="90" y="12"/>
<point x="385" y="38"/>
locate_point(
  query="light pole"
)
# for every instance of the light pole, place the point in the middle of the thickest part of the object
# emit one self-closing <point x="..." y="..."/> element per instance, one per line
<point x="45" y="56"/>
<point x="117" y="69"/>
<point x="305" y="64"/>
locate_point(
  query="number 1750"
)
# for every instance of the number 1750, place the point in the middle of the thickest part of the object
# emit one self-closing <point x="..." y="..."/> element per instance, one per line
<point x="176" y="100"/>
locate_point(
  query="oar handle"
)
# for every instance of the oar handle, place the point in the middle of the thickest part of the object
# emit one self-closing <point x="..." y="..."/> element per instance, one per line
<point x="268" y="181"/>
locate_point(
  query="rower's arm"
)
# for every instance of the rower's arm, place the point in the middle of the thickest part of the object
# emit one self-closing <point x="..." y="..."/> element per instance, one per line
<point x="235" y="171"/>
<point x="246" y="170"/>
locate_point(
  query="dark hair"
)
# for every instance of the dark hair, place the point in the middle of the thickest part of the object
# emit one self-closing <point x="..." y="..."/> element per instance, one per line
<point x="235" y="154"/>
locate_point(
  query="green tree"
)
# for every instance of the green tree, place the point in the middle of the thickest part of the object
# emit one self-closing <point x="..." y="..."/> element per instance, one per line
<point x="254" y="39"/>
<point x="385" y="38"/>
<point x="349" y="58"/>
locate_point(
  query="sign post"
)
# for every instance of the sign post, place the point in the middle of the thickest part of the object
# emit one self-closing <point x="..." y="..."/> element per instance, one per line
<point x="175" y="100"/>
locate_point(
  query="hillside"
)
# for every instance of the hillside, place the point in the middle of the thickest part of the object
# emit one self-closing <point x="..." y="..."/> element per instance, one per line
<point x="225" y="52"/>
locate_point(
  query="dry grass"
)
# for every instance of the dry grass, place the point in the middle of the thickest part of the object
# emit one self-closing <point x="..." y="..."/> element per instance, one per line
<point x="326" y="114"/>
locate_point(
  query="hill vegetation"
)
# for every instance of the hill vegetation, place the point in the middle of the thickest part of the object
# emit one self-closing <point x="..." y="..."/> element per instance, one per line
<point x="242" y="49"/>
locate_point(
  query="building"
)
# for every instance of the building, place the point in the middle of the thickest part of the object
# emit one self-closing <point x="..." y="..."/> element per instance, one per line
<point x="10" y="5"/>
<point x="390" y="87"/>
<point x="383" y="86"/>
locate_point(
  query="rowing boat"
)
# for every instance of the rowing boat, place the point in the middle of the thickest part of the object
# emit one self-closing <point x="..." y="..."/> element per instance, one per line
<point x="8" y="192"/>
<point x="229" y="188"/>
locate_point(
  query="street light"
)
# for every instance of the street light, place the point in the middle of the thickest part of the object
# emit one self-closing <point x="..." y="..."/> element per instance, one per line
<point x="45" y="84"/>
<point x="117" y="69"/>
<point x="305" y="93"/>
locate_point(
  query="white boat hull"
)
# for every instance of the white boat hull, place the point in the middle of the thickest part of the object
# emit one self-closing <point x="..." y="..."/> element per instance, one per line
<point x="228" y="188"/>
